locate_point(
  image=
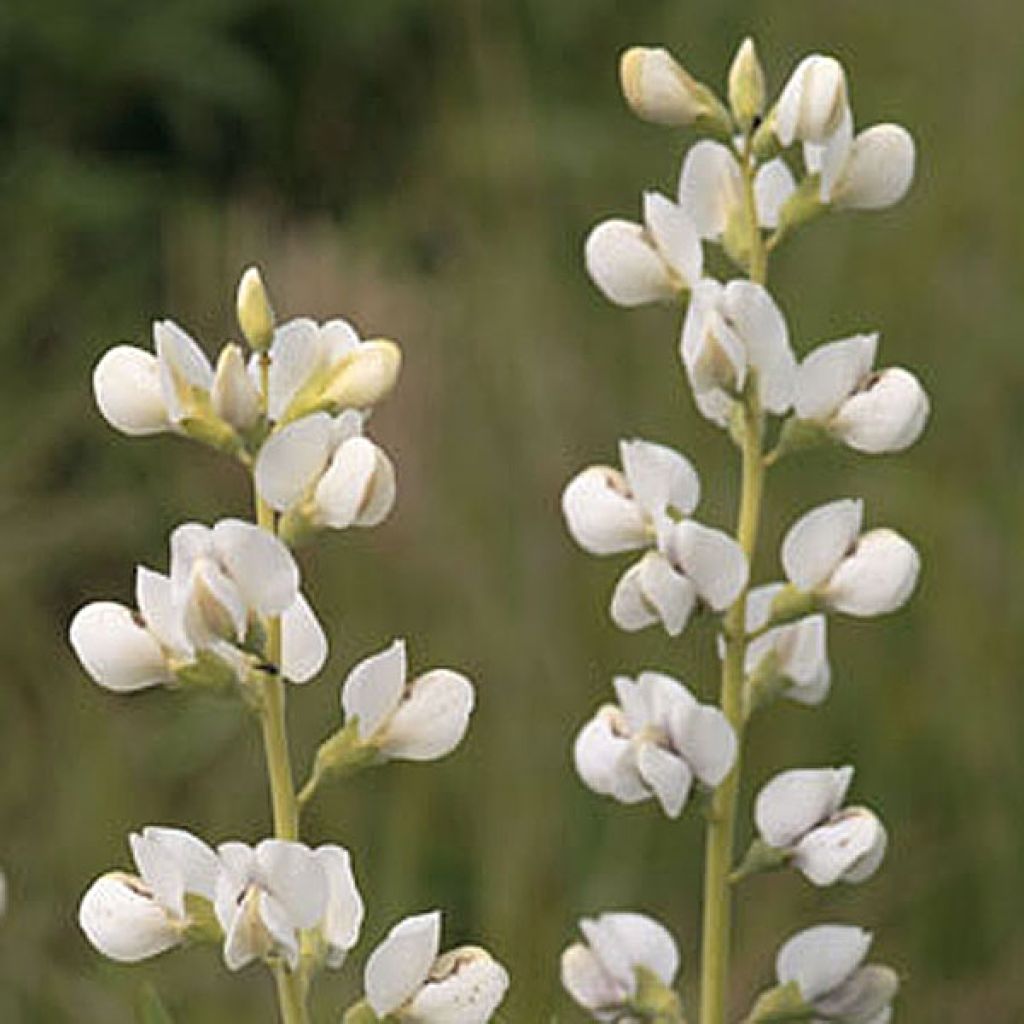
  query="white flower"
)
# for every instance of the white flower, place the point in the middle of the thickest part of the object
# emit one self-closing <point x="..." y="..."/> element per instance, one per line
<point x="327" y="469"/>
<point x="203" y="605"/>
<point x="601" y="974"/>
<point x="659" y="89"/>
<point x="825" y="554"/>
<point x="796" y="652"/>
<point x="418" y="720"/>
<point x="406" y="979"/>
<point x="265" y="896"/>
<point x="139" y="393"/>
<point x="813" y="101"/>
<point x="876" y="412"/>
<point x="646" y="505"/>
<point x="637" y="263"/>
<point x="711" y="189"/>
<point x="800" y="812"/>
<point x="315" y="367"/>
<point x="132" y="917"/>
<point x="871" y="171"/>
<point x="827" y="964"/>
<point x="654" y="743"/>
<point x="343" y="916"/>
<point x="730" y="331"/>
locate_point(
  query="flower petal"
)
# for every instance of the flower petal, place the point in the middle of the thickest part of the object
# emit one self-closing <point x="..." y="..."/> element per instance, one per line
<point x="155" y="599"/>
<point x="668" y="776"/>
<point x="343" y="917"/>
<point x="126" y="385"/>
<point x="303" y="643"/>
<point x="710" y="187"/>
<point x="197" y="863"/>
<point x="703" y="735"/>
<point x="877" y="577"/>
<point x="652" y="591"/>
<point x="674" y="237"/>
<point x="373" y="689"/>
<point x="182" y="364"/>
<point x="822" y="958"/>
<point x="586" y="980"/>
<point x="115" y="650"/>
<point x="400" y="965"/>
<point x="888" y="415"/>
<point x="863" y="998"/>
<point x="879" y="169"/>
<point x="431" y="720"/>
<point x="812" y="102"/>
<point x="831" y="373"/>
<point x="295" y="878"/>
<point x="259" y="563"/>
<point x="773" y="185"/>
<point x="292" y="459"/>
<point x="358" y="487"/>
<point x="795" y="801"/>
<point x="604" y="760"/>
<point x="601" y="514"/>
<point x="122" y="920"/>
<point x="297" y="354"/>
<point x="817" y="542"/>
<point x="466" y="986"/>
<point x="833" y="850"/>
<point x="760" y="323"/>
<point x="659" y="478"/>
<point x="711" y="559"/>
<point x="625" y="266"/>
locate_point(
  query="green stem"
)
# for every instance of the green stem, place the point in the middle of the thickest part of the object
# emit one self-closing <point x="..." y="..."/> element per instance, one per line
<point x="291" y="995"/>
<point x="720" y="841"/>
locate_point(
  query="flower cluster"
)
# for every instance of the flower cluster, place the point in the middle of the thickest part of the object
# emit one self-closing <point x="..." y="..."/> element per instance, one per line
<point x="229" y="614"/>
<point x="763" y="171"/>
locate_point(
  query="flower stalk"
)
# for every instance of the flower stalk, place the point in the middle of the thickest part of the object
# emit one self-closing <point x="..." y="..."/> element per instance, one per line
<point x="720" y="839"/>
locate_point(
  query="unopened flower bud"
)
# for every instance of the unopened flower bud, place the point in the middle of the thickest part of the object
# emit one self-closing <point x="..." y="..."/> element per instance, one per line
<point x="660" y="90"/>
<point x="813" y="102"/>
<point x="236" y="400"/>
<point x="746" y="85"/>
<point x="255" y="315"/>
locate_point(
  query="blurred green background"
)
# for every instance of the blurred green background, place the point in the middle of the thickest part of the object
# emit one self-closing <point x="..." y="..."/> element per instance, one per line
<point x="429" y="170"/>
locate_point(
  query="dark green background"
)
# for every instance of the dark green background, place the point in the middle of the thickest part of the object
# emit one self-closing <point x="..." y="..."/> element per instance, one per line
<point x="430" y="169"/>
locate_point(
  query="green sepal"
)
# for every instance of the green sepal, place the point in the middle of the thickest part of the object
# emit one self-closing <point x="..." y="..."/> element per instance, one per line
<point x="344" y="752"/>
<point x="206" y="671"/>
<point x="800" y="435"/>
<point x="360" y="1013"/>
<point x="789" y="605"/>
<point x="150" y="1006"/>
<point x="296" y="526"/>
<point x="715" y="120"/>
<point x="203" y="926"/>
<point x="765" y="144"/>
<point x="780" y="1005"/>
<point x="764" y="685"/>
<point x="202" y="424"/>
<point x="802" y="206"/>
<point x="759" y="859"/>
<point x="740" y="237"/>
<point x="654" y="1001"/>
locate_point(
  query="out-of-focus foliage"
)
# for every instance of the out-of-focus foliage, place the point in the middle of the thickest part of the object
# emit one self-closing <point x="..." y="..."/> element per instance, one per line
<point x="429" y="169"/>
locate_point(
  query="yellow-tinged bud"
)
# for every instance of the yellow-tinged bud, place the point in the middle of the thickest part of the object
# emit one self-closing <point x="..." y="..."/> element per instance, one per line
<point x="255" y="315"/>
<point x="746" y="85"/>
<point x="234" y="396"/>
<point x="659" y="89"/>
<point x="364" y="376"/>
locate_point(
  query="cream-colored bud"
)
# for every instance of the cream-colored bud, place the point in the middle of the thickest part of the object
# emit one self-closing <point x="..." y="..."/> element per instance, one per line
<point x="746" y="85"/>
<point x="234" y="395"/>
<point x="364" y="376"/>
<point x="255" y="314"/>
<point x="660" y="90"/>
